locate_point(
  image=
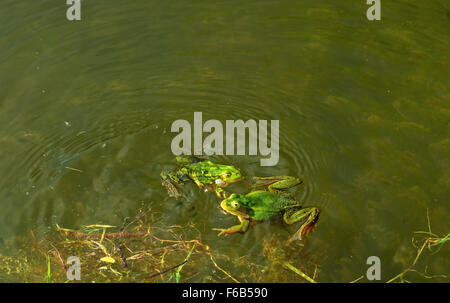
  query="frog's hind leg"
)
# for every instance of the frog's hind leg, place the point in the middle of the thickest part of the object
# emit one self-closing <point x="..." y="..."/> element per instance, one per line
<point x="168" y="180"/>
<point x="277" y="183"/>
<point x="187" y="159"/>
<point x="308" y="215"/>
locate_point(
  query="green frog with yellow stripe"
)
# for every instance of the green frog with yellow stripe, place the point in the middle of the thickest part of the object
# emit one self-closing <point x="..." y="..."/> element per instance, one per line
<point x="204" y="173"/>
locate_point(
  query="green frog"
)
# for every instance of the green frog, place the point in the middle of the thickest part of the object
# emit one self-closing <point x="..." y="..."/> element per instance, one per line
<point x="271" y="204"/>
<point x="204" y="173"/>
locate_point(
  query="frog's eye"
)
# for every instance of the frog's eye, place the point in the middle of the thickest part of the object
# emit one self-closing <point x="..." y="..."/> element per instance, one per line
<point x="234" y="204"/>
<point x="227" y="175"/>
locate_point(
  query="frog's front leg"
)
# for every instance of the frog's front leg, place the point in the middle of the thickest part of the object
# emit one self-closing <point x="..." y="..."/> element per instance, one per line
<point x="241" y="228"/>
<point x="309" y="215"/>
<point x="278" y="183"/>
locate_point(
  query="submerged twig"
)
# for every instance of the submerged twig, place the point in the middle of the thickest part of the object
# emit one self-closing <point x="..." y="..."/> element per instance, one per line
<point x="430" y="241"/>
<point x="357" y="279"/>
<point x="169" y="269"/>
<point x="74" y="169"/>
<point x="125" y="264"/>
<point x="102" y="235"/>
<point x="221" y="269"/>
<point x="298" y="272"/>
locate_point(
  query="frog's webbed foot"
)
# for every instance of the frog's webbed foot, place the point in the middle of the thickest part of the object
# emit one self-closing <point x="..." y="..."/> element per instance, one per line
<point x="171" y="189"/>
<point x="221" y="193"/>
<point x="222" y="231"/>
<point x="308" y="215"/>
<point x="277" y="184"/>
<point x="241" y="228"/>
<point x="228" y="231"/>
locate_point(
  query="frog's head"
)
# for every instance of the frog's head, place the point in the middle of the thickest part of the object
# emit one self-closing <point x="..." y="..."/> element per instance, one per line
<point x="235" y="205"/>
<point x="227" y="175"/>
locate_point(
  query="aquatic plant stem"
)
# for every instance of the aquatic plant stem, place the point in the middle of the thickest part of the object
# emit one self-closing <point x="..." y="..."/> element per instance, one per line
<point x="49" y="280"/>
<point x="177" y="273"/>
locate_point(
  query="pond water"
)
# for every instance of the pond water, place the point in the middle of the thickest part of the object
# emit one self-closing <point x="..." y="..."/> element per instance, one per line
<point x="86" y="109"/>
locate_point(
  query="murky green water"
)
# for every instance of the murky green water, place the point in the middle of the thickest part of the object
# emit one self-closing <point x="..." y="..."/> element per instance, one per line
<point x="364" y="111"/>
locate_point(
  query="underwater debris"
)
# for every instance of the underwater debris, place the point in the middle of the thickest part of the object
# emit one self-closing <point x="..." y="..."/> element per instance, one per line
<point x="139" y="254"/>
<point x="432" y="240"/>
<point x="147" y="251"/>
<point x="279" y="255"/>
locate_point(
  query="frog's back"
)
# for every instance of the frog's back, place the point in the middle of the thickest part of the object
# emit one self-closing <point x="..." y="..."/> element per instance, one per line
<point x="265" y="205"/>
<point x="201" y="168"/>
<point x="204" y="171"/>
